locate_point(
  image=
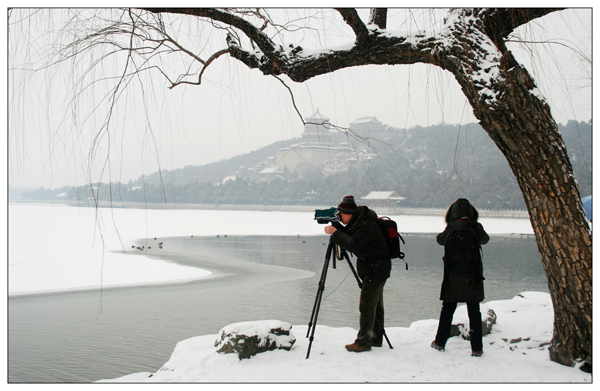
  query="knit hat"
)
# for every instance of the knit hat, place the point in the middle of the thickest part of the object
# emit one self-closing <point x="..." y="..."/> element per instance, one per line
<point x="348" y="206"/>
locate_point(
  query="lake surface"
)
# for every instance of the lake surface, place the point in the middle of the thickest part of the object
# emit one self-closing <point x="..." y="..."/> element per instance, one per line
<point x="84" y="336"/>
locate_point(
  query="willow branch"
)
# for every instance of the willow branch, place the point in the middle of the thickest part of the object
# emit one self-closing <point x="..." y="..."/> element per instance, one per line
<point x="266" y="45"/>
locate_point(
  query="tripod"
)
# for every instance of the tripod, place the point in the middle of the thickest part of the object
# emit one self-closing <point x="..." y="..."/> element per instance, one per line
<point x="315" y="312"/>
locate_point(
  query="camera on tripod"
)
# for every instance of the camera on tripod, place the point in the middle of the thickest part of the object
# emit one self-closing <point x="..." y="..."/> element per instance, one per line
<point x="326" y="216"/>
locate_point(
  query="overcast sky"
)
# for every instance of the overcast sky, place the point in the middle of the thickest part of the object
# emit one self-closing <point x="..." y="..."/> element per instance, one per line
<point x="237" y="110"/>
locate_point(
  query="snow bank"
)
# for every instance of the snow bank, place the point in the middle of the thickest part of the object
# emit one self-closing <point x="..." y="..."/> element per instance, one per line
<point x="55" y="248"/>
<point x="515" y="351"/>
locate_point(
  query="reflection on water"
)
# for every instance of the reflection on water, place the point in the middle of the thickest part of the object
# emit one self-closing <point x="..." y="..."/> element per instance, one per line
<point x="87" y="336"/>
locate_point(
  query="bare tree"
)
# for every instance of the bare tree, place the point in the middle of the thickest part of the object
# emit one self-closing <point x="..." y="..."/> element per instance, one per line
<point x="468" y="43"/>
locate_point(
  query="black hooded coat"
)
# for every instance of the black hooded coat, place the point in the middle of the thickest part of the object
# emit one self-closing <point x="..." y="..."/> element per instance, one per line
<point x="457" y="287"/>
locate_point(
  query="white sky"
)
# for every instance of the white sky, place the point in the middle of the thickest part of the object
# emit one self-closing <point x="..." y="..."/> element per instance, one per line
<point x="237" y="110"/>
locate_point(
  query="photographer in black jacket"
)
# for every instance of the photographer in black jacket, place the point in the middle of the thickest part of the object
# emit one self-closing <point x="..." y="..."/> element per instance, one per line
<point x="362" y="237"/>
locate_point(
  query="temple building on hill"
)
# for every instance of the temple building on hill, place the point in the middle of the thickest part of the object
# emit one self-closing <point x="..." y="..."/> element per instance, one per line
<point x="371" y="127"/>
<point x="366" y="125"/>
<point x="314" y="149"/>
<point x="316" y="128"/>
<point x="320" y="144"/>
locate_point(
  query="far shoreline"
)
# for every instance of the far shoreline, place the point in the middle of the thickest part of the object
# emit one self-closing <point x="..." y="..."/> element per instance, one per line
<point x="107" y="287"/>
<point x="399" y="211"/>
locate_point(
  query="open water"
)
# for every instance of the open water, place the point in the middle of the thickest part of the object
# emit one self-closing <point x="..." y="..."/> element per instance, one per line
<point x="87" y="336"/>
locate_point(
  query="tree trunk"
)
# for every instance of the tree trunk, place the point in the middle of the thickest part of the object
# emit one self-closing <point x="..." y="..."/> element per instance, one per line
<point x="522" y="126"/>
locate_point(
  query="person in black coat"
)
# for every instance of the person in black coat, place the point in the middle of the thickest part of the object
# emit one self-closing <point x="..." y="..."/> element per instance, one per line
<point x="460" y="287"/>
<point x="362" y="237"/>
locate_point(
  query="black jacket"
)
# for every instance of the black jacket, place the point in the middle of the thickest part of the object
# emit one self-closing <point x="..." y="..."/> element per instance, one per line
<point x="363" y="238"/>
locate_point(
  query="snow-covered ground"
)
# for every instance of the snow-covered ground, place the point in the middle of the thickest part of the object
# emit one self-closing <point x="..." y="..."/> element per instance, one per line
<point x="53" y="248"/>
<point x="515" y="351"/>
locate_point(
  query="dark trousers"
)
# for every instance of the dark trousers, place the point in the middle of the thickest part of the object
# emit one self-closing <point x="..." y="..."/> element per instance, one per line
<point x="443" y="332"/>
<point x="371" y="313"/>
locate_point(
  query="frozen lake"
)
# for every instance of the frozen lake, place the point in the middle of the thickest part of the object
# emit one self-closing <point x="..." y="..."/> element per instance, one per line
<point x="83" y="336"/>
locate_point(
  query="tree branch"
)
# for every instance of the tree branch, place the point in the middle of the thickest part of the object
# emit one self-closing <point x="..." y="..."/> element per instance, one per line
<point x="206" y="64"/>
<point x="266" y="45"/>
<point x="353" y="20"/>
<point x="500" y="22"/>
<point x="378" y="17"/>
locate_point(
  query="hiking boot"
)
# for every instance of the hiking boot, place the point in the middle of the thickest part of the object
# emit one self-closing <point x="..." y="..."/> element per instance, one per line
<point x="377" y="344"/>
<point x="477" y="353"/>
<point x="438" y="347"/>
<point x="354" y="347"/>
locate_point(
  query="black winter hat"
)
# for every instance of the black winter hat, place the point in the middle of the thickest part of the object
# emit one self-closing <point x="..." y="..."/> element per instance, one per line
<point x="348" y="206"/>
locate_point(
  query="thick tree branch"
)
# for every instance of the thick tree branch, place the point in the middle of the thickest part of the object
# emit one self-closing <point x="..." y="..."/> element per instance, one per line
<point x="378" y="17"/>
<point x="250" y="60"/>
<point x="501" y="22"/>
<point x="353" y="20"/>
<point x="381" y="50"/>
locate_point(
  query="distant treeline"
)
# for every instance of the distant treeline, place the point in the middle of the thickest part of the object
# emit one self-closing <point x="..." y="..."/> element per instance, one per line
<point x="429" y="167"/>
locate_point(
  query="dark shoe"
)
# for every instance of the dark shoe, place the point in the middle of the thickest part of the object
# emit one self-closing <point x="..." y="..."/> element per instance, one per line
<point x="438" y="347"/>
<point x="354" y="347"/>
<point x="377" y="344"/>
<point x="477" y="353"/>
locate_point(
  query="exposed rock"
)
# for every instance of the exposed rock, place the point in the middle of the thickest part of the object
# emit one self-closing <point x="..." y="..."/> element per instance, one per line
<point x="249" y="338"/>
<point x="516" y="340"/>
<point x="487" y="321"/>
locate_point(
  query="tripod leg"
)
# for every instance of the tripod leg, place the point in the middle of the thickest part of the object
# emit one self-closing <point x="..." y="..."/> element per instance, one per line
<point x="315" y="312"/>
<point x="312" y="334"/>
<point x="386" y="338"/>
<point x="345" y="255"/>
<point x="321" y="288"/>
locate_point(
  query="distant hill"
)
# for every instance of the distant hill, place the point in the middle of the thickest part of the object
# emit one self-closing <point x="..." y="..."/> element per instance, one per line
<point x="215" y="172"/>
<point x="428" y="166"/>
